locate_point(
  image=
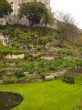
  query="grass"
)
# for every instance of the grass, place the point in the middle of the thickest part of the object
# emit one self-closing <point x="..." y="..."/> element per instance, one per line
<point x="78" y="78"/>
<point x="51" y="95"/>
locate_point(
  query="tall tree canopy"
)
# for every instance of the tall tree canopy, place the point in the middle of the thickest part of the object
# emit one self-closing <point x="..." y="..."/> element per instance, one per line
<point x="36" y="12"/>
<point x="5" y="8"/>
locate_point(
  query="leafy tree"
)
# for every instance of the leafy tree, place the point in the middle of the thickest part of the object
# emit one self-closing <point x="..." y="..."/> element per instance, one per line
<point x="36" y="12"/>
<point x="5" y="8"/>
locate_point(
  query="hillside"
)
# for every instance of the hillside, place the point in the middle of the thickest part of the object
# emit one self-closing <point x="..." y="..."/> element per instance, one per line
<point x="33" y="54"/>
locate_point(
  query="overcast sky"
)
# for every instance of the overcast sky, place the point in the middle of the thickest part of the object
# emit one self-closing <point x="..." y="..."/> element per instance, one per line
<point x="74" y="7"/>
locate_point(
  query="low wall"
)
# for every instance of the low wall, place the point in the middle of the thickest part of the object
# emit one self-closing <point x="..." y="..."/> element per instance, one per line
<point x="13" y="56"/>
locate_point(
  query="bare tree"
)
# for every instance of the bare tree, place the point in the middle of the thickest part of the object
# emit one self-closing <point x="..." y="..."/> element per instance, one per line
<point x="67" y="30"/>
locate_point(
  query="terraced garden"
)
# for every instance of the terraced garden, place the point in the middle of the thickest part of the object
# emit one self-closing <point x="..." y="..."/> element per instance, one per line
<point x="32" y="56"/>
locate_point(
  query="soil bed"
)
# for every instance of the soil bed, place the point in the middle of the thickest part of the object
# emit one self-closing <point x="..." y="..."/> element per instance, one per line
<point x="9" y="100"/>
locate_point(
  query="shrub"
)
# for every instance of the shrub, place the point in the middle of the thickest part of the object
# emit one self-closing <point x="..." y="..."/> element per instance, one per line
<point x="2" y="72"/>
<point x="9" y="80"/>
<point x="19" y="74"/>
<point x="68" y="79"/>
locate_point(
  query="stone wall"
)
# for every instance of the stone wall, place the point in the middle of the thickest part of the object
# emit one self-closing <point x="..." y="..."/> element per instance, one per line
<point x="3" y="39"/>
<point x="13" y="56"/>
<point x="14" y="19"/>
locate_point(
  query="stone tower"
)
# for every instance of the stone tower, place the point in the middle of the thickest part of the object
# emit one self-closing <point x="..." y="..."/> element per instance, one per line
<point x="15" y="4"/>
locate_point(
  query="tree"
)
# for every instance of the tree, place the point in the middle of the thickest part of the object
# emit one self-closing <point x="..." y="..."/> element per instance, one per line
<point x="5" y="8"/>
<point x="67" y="30"/>
<point x="36" y="12"/>
<point x="49" y="18"/>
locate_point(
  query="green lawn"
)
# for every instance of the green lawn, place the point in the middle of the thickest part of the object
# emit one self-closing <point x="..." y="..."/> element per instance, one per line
<point x="51" y="95"/>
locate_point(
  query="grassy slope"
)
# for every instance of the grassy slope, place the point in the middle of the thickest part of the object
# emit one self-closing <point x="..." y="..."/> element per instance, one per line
<point x="51" y="95"/>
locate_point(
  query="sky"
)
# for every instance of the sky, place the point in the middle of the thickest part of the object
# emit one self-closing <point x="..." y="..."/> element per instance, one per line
<point x="74" y="7"/>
